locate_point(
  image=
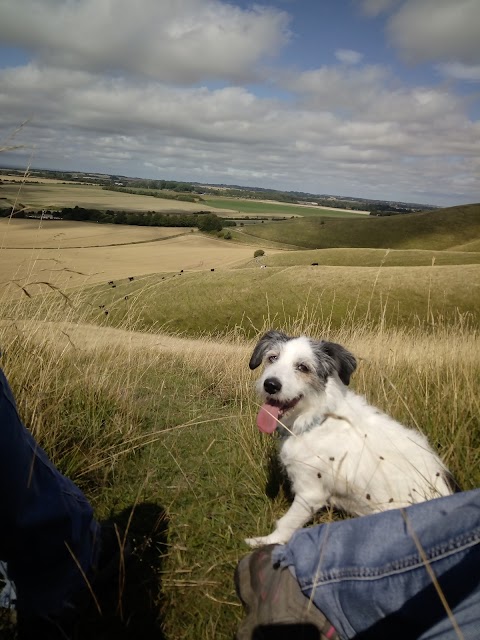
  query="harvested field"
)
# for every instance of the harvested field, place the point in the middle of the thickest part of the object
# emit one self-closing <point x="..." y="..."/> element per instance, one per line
<point x="58" y="234"/>
<point x="90" y="253"/>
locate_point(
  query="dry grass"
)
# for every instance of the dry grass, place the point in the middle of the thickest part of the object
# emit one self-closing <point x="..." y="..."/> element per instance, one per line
<point x="137" y="417"/>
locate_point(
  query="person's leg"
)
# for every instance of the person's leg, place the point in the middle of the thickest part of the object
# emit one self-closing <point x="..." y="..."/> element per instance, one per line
<point x="395" y="574"/>
<point x="48" y="535"/>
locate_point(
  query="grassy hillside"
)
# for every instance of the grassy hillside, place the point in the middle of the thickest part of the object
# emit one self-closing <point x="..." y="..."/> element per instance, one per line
<point x="200" y="303"/>
<point x="161" y="436"/>
<point x="440" y="229"/>
<point x="370" y="258"/>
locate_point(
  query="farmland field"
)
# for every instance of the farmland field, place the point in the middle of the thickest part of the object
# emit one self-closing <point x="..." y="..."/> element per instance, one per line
<point x="276" y="209"/>
<point x="71" y="253"/>
<point x="59" y="234"/>
<point x="56" y="196"/>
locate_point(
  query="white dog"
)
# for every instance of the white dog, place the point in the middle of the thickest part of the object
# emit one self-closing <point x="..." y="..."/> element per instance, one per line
<point x="336" y="448"/>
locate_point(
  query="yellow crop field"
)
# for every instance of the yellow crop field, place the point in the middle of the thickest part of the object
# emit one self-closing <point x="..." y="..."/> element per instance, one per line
<point x="67" y="254"/>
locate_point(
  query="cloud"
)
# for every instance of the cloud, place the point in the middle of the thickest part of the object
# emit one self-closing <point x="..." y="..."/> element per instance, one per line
<point x="437" y="30"/>
<point x="343" y="131"/>
<point x="177" y="41"/>
<point x="459" y="71"/>
<point x="348" y="56"/>
<point x="337" y="87"/>
<point x="375" y="7"/>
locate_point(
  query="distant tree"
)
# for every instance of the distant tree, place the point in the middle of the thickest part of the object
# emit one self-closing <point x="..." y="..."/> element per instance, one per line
<point x="209" y="222"/>
<point x="259" y="253"/>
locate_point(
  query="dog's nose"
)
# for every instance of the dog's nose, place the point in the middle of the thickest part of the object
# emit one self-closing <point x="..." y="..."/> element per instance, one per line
<point x="272" y="385"/>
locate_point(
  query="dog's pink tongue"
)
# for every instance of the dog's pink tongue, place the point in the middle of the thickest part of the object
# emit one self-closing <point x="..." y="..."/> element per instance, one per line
<point x="267" y="418"/>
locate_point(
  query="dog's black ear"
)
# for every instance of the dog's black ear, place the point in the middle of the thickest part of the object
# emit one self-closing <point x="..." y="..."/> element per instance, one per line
<point x="265" y="342"/>
<point x="344" y="361"/>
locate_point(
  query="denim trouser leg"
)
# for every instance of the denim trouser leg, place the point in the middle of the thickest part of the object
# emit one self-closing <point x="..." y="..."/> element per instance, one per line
<point x="368" y="575"/>
<point x="45" y="519"/>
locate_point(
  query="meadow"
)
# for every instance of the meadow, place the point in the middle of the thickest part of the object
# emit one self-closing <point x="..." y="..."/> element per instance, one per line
<point x="143" y="396"/>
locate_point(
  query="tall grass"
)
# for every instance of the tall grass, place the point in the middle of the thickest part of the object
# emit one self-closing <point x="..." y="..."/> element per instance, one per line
<point x="136" y="418"/>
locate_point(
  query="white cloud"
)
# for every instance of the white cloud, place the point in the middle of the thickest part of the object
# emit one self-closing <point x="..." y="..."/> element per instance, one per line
<point x="459" y="71"/>
<point x="436" y="30"/>
<point x="348" y="56"/>
<point x="349" y="131"/>
<point x="180" y="41"/>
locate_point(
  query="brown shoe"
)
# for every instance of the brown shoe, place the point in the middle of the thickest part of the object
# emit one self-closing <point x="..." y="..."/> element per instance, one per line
<point x="275" y="605"/>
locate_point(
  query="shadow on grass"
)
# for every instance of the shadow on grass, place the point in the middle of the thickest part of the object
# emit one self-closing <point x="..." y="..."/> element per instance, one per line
<point x="277" y="479"/>
<point x="134" y="611"/>
<point x="130" y="601"/>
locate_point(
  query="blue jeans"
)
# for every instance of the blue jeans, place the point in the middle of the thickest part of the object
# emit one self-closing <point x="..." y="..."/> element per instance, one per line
<point x="373" y="576"/>
<point x="48" y="535"/>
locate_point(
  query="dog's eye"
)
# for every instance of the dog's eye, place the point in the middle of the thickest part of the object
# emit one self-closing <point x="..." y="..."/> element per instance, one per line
<point x="302" y="368"/>
<point x="272" y="358"/>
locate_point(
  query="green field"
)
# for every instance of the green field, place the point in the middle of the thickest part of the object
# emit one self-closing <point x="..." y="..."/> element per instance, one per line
<point x="258" y="208"/>
<point x="440" y="229"/>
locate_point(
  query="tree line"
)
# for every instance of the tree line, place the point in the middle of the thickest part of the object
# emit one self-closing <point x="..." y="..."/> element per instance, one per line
<point x="203" y="220"/>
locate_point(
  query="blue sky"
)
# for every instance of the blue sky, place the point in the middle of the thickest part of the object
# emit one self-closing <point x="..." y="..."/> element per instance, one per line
<point x="372" y="98"/>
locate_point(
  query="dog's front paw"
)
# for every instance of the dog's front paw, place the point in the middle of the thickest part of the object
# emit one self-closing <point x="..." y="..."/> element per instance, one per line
<point x="273" y="538"/>
<point x="257" y="542"/>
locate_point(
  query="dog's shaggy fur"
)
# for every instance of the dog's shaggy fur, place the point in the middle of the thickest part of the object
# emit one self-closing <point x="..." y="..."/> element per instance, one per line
<point x="336" y="448"/>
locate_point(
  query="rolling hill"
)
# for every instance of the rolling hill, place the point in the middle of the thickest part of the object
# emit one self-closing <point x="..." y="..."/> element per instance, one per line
<point x="454" y="227"/>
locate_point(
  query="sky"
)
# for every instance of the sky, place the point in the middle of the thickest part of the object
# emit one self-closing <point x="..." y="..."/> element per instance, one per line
<point x="368" y="98"/>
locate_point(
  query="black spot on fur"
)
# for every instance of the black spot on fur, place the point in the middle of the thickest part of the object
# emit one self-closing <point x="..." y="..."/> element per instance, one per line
<point x="332" y="459"/>
<point x="319" y="475"/>
<point x="382" y="458"/>
<point x="391" y="500"/>
<point x="438" y="474"/>
<point x="368" y="496"/>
